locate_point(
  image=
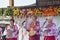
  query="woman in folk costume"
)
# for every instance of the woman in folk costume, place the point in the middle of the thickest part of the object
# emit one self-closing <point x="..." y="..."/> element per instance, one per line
<point x="11" y="31"/>
<point x="58" y="37"/>
<point x="34" y="30"/>
<point x="22" y="30"/>
<point x="0" y="33"/>
<point x="50" y="30"/>
<point x="58" y="33"/>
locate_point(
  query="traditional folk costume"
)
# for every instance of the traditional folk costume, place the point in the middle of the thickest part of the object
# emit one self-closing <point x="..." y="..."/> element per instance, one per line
<point x="11" y="32"/>
<point x="50" y="32"/>
<point x="34" y="32"/>
<point x="58" y="37"/>
<point x="58" y="33"/>
<point x="22" y="30"/>
<point x="0" y="33"/>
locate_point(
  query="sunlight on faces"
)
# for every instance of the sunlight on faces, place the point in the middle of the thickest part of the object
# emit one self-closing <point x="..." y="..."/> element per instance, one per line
<point x="34" y="18"/>
<point x="11" y="23"/>
<point x="49" y="19"/>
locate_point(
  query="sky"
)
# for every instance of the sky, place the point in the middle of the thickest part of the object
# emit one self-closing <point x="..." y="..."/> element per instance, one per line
<point x="5" y="3"/>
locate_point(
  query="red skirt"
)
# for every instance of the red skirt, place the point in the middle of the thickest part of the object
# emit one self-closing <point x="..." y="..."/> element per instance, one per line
<point x="35" y="37"/>
<point x="0" y="39"/>
<point x="31" y="37"/>
<point x="49" y="38"/>
<point x="11" y="38"/>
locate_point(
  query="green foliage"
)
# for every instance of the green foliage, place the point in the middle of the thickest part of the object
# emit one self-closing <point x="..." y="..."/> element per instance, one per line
<point x="0" y="11"/>
<point x="8" y="12"/>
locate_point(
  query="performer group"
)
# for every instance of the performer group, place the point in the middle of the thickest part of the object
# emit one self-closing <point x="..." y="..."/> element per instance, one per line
<point x="34" y="29"/>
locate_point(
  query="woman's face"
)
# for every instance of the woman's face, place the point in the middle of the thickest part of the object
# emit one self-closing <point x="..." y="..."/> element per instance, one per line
<point x="33" y="18"/>
<point x="59" y="33"/>
<point x="11" y="23"/>
<point x="49" y="21"/>
<point x="32" y="24"/>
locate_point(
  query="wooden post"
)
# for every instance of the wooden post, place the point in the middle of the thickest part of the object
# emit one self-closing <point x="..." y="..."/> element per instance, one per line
<point x="11" y="3"/>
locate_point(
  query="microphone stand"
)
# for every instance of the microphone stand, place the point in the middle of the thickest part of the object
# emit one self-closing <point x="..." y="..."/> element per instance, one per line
<point x="42" y="27"/>
<point x="44" y="24"/>
<point x="23" y="30"/>
<point x="22" y="34"/>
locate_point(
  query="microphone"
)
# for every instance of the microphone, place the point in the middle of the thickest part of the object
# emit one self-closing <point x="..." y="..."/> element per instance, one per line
<point x="23" y="22"/>
<point x="44" y="22"/>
